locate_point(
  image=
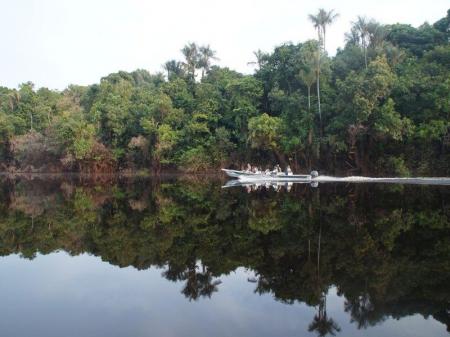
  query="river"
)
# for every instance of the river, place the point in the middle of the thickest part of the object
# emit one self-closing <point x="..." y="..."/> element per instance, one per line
<point x="183" y="256"/>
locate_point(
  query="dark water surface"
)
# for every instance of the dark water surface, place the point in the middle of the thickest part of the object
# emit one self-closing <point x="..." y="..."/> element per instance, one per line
<point x="184" y="257"/>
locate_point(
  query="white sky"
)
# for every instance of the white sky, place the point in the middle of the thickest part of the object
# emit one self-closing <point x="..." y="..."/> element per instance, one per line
<point x="57" y="42"/>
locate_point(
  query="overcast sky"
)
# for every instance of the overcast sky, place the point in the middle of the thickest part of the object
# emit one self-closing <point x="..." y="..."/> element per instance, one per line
<point x="54" y="43"/>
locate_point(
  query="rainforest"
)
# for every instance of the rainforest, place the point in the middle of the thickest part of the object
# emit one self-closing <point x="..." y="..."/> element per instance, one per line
<point x="380" y="105"/>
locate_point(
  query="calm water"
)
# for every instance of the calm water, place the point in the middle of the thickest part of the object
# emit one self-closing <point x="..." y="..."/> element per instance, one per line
<point x="184" y="257"/>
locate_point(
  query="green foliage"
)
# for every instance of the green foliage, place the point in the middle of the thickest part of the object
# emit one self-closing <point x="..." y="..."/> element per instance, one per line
<point x="83" y="143"/>
<point x="264" y="132"/>
<point x="415" y="40"/>
<point x="386" y="93"/>
<point x="195" y="159"/>
<point x="388" y="122"/>
<point x="394" y="166"/>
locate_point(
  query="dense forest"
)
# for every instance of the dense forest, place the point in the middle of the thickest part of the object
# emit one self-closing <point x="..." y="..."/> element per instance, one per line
<point x="384" y="247"/>
<point x="380" y="105"/>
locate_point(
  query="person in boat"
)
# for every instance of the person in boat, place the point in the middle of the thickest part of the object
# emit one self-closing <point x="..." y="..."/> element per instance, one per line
<point x="249" y="168"/>
<point x="288" y="171"/>
<point x="275" y="170"/>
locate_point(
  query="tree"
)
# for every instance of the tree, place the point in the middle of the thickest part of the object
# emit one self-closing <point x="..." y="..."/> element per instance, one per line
<point x="307" y="73"/>
<point x="264" y="133"/>
<point x="320" y="22"/>
<point x="174" y="69"/>
<point x="261" y="59"/>
<point x="361" y="26"/>
<point x="192" y="58"/>
<point x="26" y="103"/>
<point x="206" y="55"/>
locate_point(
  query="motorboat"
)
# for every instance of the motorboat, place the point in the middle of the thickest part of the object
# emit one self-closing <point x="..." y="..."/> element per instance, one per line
<point x="247" y="176"/>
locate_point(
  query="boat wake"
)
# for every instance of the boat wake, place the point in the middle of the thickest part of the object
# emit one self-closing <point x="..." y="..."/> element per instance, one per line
<point x="387" y="180"/>
<point x="245" y="178"/>
<point x="257" y="184"/>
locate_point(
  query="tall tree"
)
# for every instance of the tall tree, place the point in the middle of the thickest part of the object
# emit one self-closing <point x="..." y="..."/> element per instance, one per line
<point x="206" y="54"/>
<point x="361" y="26"/>
<point x="261" y="58"/>
<point x="320" y="22"/>
<point x="173" y="69"/>
<point x="307" y="73"/>
<point x="308" y="76"/>
<point x="192" y="56"/>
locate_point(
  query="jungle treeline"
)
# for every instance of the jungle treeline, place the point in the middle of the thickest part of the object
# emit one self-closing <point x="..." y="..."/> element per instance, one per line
<point x="380" y="105"/>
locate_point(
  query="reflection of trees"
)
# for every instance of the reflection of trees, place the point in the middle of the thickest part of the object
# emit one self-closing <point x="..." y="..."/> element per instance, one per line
<point x="322" y="324"/>
<point x="197" y="284"/>
<point x="298" y="243"/>
<point x="362" y="311"/>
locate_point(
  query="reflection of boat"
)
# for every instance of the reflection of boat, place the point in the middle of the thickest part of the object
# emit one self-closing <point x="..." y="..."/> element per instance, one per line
<point x="276" y="185"/>
<point x="245" y="176"/>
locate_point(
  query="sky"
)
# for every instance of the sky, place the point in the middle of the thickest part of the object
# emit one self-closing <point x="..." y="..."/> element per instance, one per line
<point x="54" y="43"/>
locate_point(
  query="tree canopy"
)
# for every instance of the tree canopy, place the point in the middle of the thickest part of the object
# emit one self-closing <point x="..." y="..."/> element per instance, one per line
<point x="380" y="105"/>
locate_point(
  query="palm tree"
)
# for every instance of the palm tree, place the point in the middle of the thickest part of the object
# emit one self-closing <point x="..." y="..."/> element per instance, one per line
<point x="307" y="74"/>
<point x="377" y="34"/>
<point x="173" y="68"/>
<point x="352" y="37"/>
<point x="361" y="25"/>
<point x="320" y="22"/>
<point x="206" y="55"/>
<point x="191" y="54"/>
<point x="260" y="59"/>
<point x="308" y="77"/>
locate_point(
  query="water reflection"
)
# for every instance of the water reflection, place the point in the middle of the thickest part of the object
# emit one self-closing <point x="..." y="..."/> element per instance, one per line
<point x="384" y="248"/>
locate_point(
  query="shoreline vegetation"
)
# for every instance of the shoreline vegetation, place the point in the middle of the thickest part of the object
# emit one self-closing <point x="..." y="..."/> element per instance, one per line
<point x="381" y="105"/>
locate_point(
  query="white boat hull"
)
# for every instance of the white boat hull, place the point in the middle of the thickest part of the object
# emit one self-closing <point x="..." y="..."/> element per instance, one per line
<point x="262" y="177"/>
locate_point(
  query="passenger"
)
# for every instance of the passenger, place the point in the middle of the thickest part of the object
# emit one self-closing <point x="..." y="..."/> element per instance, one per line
<point x="275" y="170"/>
<point x="249" y="168"/>
<point x="267" y="172"/>
<point x="288" y="171"/>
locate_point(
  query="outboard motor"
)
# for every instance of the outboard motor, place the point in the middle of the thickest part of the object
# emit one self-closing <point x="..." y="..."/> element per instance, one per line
<point x="314" y="174"/>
